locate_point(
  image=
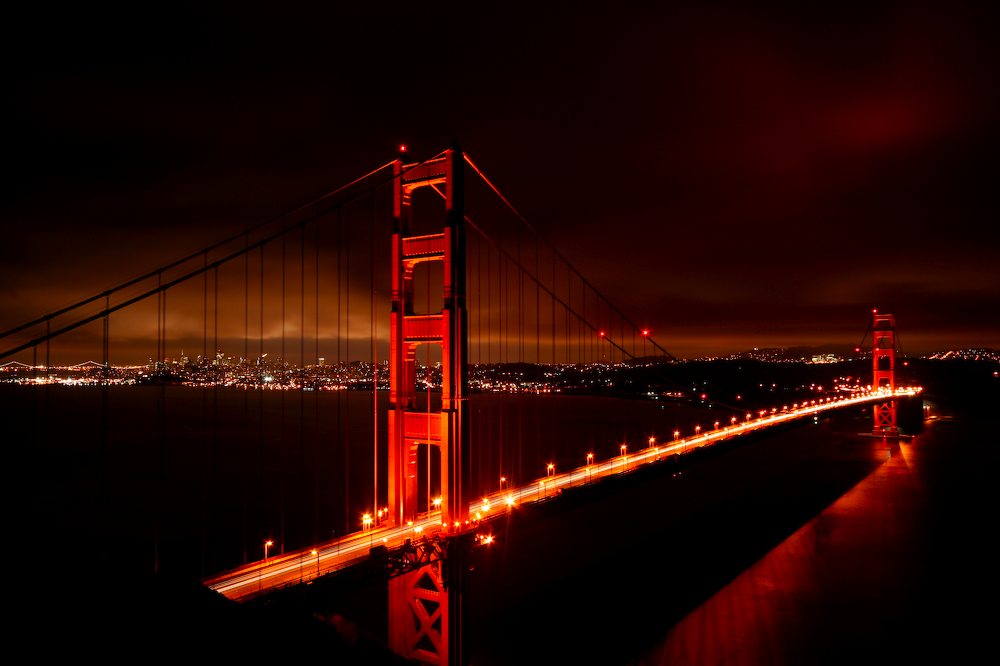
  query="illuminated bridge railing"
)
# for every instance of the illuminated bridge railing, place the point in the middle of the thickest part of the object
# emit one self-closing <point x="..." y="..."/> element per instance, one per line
<point x="306" y="565"/>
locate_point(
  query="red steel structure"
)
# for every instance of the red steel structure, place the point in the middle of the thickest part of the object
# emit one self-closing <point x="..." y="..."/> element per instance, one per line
<point x="425" y="604"/>
<point x="884" y="371"/>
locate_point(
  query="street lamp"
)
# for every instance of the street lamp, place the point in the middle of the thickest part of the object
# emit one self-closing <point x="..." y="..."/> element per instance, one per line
<point x="260" y="570"/>
<point x="550" y="469"/>
<point x="590" y="461"/>
<point x="624" y="458"/>
<point x="366" y="525"/>
<point x="503" y="480"/>
<point x="316" y="553"/>
<point x="677" y="434"/>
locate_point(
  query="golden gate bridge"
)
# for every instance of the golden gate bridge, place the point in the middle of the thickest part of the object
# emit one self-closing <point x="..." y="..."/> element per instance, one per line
<point x="390" y="285"/>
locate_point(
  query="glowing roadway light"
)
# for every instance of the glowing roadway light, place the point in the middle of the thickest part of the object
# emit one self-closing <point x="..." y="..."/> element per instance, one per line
<point x="366" y="521"/>
<point x="697" y="429"/>
<point x="677" y="434"/>
<point x="437" y="502"/>
<point x="503" y="480"/>
<point x="316" y="553"/>
<point x="550" y="470"/>
<point x="267" y="544"/>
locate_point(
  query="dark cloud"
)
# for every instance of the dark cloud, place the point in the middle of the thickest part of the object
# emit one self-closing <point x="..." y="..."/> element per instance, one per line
<point x="769" y="173"/>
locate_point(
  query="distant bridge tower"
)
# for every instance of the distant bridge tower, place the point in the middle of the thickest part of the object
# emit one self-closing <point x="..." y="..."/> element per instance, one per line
<point x="884" y="372"/>
<point x="425" y="599"/>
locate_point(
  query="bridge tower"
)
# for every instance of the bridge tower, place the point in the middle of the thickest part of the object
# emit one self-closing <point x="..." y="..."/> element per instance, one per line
<point x="425" y="601"/>
<point x="884" y="372"/>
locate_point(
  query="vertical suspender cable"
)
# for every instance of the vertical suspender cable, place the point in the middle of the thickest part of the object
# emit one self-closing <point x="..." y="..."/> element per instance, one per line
<point x="489" y="329"/>
<point x="316" y="429"/>
<point x="204" y="416"/>
<point x="246" y="378"/>
<point x="213" y="466"/>
<point x="261" y="371"/>
<point x="553" y="299"/>
<point x="347" y="328"/>
<point x="301" y="371"/>
<point x="427" y="356"/>
<point x="374" y="334"/>
<point x="160" y="417"/>
<point x="282" y="386"/>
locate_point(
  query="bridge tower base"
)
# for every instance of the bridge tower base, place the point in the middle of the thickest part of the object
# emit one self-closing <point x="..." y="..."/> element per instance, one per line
<point x="426" y="601"/>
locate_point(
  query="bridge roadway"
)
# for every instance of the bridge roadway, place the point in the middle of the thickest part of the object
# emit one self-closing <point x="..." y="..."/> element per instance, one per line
<point x="308" y="564"/>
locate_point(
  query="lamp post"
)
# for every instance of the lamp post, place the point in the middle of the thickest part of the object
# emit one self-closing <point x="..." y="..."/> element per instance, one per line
<point x="550" y="469"/>
<point x="316" y="553"/>
<point x="260" y="569"/>
<point x="590" y="461"/>
<point x="624" y="458"/>
<point x="503" y="480"/>
<point x="366" y="525"/>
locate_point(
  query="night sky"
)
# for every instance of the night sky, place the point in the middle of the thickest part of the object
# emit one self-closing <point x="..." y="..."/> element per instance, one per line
<point x="732" y="178"/>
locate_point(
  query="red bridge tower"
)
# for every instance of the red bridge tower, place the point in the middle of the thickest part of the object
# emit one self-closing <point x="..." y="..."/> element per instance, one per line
<point x="884" y="372"/>
<point x="425" y="599"/>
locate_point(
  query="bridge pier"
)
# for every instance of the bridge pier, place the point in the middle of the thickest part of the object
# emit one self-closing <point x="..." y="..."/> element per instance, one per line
<point x="427" y="609"/>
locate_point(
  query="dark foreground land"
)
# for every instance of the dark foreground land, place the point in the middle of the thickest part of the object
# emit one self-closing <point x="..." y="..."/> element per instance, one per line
<point x="812" y="544"/>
